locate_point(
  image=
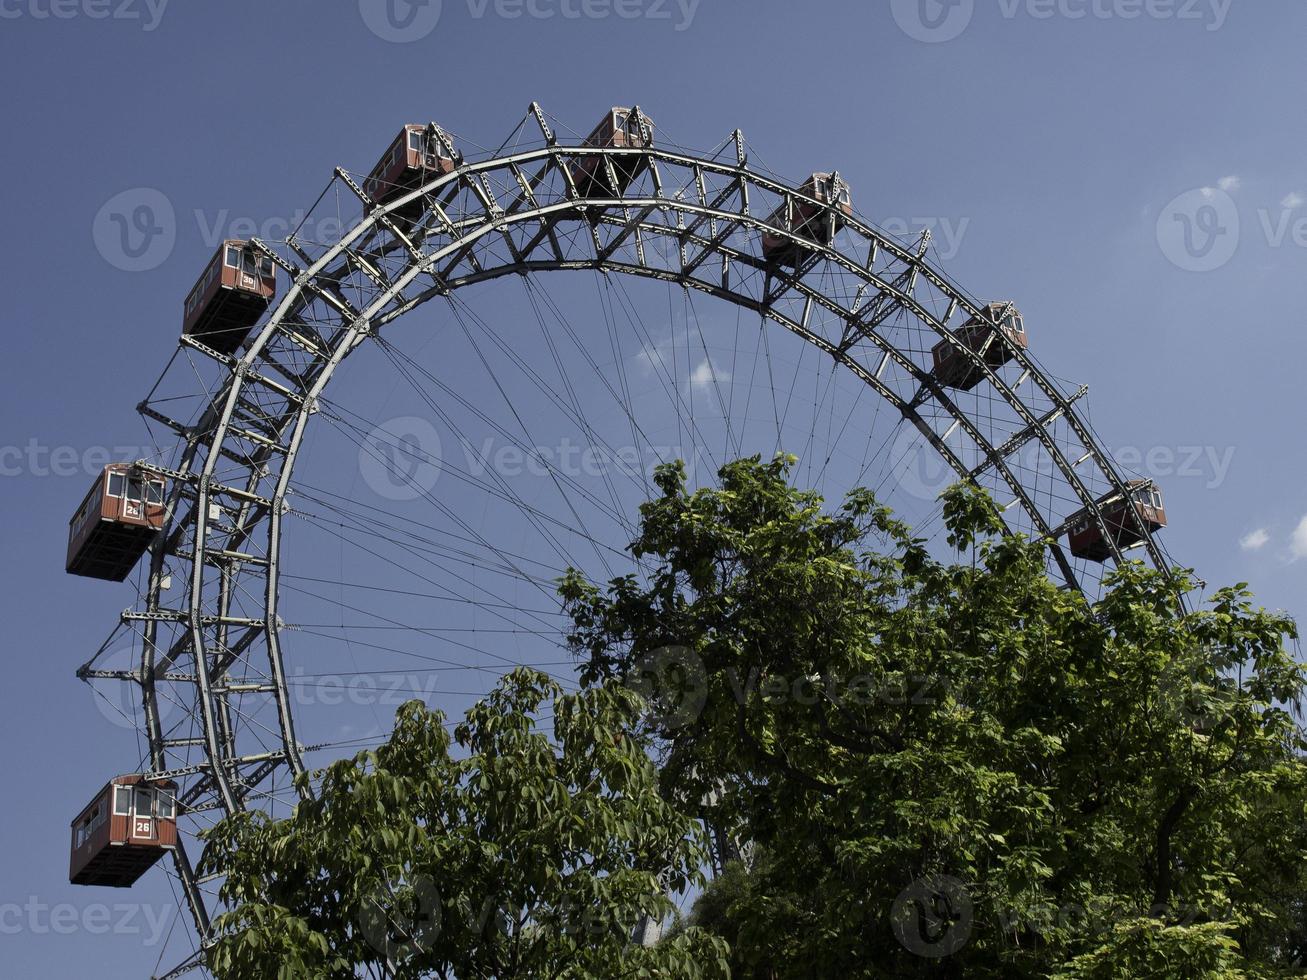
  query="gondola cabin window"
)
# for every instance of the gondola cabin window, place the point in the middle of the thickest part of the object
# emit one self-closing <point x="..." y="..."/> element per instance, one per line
<point x="90" y="824"/>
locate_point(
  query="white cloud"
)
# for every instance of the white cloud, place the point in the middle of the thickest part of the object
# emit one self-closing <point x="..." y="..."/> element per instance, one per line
<point x="1254" y="540"/>
<point x="1298" y="540"/>
<point x="1293" y="200"/>
<point x="650" y="357"/>
<point x="1225" y="184"/>
<point x="705" y="373"/>
<point x="662" y="354"/>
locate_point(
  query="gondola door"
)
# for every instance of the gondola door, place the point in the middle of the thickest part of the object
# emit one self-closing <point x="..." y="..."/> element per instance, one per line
<point x="145" y="826"/>
<point x="249" y="271"/>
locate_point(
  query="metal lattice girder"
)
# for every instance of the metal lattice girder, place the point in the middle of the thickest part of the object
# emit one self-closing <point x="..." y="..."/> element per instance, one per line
<point x="690" y="220"/>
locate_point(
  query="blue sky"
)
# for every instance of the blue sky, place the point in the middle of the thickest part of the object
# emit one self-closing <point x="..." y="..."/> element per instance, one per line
<point x="1132" y="172"/>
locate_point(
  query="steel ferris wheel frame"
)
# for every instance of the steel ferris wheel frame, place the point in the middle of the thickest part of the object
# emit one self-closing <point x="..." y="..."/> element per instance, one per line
<point x="870" y="302"/>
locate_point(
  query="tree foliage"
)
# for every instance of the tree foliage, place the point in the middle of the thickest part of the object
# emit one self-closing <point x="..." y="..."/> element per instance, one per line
<point x="519" y="855"/>
<point x="957" y="767"/>
<point x="931" y="766"/>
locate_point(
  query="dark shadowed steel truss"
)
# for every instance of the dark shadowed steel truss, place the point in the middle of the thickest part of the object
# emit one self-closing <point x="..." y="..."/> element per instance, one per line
<point x="871" y="302"/>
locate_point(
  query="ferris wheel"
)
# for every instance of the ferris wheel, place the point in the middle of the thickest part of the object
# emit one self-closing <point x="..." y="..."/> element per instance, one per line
<point x="508" y="431"/>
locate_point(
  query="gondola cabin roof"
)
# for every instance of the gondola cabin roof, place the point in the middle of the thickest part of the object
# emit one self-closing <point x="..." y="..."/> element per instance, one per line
<point x="829" y="188"/>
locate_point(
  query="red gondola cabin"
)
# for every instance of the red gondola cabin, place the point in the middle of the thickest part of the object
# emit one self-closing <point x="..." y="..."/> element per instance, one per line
<point x="231" y="295"/>
<point x="1087" y="540"/>
<point x="420" y="152"/>
<point x="129" y="825"/>
<point x="954" y="369"/>
<point x="818" y="222"/>
<point x="621" y="128"/>
<point x="115" y="523"/>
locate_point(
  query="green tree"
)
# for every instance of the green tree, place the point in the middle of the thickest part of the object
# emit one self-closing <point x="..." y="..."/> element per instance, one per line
<point x="524" y="855"/>
<point x="953" y="768"/>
